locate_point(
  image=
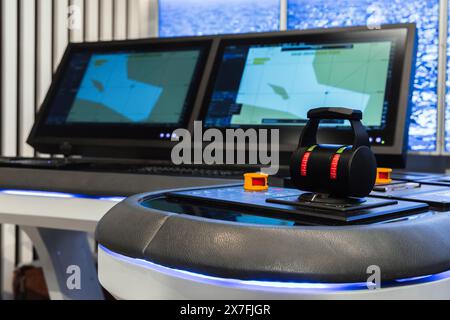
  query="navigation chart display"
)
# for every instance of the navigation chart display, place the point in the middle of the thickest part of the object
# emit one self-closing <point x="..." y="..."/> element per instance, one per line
<point x="278" y="84"/>
<point x="121" y="87"/>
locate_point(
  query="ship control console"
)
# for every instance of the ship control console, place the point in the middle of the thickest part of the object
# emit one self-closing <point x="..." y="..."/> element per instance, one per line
<point x="320" y="240"/>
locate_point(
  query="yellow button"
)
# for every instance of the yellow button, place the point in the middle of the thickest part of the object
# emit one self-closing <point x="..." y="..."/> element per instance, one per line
<point x="256" y="181"/>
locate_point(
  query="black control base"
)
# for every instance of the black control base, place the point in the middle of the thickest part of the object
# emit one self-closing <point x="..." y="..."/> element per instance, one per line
<point x="436" y="196"/>
<point x="325" y="202"/>
<point x="283" y="203"/>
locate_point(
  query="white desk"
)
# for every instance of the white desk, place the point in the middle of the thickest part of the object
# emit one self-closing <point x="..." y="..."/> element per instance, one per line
<point x="58" y="224"/>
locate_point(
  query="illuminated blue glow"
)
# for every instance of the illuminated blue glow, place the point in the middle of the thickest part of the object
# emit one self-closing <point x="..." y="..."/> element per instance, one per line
<point x="306" y="14"/>
<point x="113" y="199"/>
<point x="201" y="17"/>
<point x="38" y="193"/>
<point x="414" y="278"/>
<point x="51" y="194"/>
<point x="197" y="277"/>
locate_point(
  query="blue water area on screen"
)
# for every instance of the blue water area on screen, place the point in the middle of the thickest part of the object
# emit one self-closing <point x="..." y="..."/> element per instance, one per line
<point x="106" y="82"/>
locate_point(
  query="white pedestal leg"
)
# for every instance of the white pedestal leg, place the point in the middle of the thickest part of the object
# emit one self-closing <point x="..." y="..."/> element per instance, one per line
<point x="60" y="249"/>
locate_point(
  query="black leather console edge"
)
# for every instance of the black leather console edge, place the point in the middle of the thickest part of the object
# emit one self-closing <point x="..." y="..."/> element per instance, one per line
<point x="402" y="249"/>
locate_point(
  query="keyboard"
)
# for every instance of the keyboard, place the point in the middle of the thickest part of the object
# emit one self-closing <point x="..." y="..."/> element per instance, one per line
<point x="112" y="177"/>
<point x="129" y="166"/>
<point x="192" y="171"/>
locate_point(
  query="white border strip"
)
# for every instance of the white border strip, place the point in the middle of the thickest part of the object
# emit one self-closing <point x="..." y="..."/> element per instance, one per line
<point x="283" y="14"/>
<point x="442" y="76"/>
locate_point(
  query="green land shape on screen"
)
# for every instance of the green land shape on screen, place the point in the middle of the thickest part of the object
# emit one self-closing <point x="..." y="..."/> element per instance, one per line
<point x="279" y="90"/>
<point x="255" y="115"/>
<point x="85" y="109"/>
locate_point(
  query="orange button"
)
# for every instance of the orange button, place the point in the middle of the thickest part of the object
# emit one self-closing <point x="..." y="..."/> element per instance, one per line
<point x="256" y="181"/>
<point x="383" y="176"/>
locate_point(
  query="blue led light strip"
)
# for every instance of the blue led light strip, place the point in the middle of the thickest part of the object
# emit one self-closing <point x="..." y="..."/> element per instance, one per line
<point x="51" y="194"/>
<point x="192" y="276"/>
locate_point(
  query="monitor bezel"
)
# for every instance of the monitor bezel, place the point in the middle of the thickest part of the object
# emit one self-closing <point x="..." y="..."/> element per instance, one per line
<point x="105" y="140"/>
<point x="393" y="155"/>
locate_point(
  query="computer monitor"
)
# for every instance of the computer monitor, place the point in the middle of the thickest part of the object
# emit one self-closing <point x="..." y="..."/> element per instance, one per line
<point x="272" y="80"/>
<point x="114" y="97"/>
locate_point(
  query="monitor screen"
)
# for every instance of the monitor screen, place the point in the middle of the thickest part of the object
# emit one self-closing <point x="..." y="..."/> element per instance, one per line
<point x="124" y="90"/>
<point x="126" y="87"/>
<point x="280" y="83"/>
<point x="273" y="82"/>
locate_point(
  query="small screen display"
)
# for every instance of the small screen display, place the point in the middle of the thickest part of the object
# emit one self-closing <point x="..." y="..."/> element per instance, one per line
<point x="276" y="84"/>
<point x="147" y="88"/>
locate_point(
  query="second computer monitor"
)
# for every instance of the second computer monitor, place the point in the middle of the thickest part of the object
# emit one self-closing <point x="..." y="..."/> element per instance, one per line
<point x="272" y="81"/>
